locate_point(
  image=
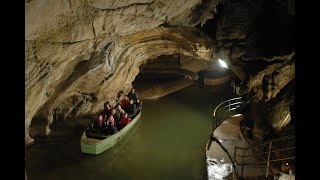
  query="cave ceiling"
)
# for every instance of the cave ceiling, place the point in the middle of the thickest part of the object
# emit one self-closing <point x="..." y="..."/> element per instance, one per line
<point x="80" y="53"/>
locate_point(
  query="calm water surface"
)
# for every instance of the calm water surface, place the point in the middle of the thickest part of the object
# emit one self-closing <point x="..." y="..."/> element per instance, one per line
<point x="168" y="143"/>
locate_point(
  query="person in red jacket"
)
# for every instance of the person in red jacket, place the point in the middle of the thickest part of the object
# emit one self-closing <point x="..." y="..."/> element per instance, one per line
<point x="125" y="102"/>
<point x="125" y="120"/>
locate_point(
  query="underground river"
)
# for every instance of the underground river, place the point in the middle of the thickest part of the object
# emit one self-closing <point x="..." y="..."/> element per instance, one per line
<point x="168" y="143"/>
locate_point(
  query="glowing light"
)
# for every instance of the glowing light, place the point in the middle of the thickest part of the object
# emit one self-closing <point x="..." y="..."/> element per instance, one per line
<point x="218" y="170"/>
<point x="223" y="64"/>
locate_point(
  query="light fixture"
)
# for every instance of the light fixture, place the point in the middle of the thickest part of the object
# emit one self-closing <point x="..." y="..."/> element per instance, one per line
<point x="223" y="63"/>
<point x="237" y="69"/>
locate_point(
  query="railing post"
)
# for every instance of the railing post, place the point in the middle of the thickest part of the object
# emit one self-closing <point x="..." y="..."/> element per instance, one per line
<point x="268" y="162"/>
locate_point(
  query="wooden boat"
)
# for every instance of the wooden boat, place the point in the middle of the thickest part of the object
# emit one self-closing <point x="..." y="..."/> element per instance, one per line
<point x="100" y="143"/>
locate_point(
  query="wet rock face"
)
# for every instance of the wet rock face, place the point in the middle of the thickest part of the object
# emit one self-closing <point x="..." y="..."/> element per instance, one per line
<point x="232" y="31"/>
<point x="71" y="21"/>
<point x="270" y="62"/>
<point x="268" y="82"/>
<point x="258" y="38"/>
<point x="81" y="53"/>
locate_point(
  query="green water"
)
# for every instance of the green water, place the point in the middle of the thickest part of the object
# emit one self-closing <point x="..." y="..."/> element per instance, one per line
<point x="168" y="143"/>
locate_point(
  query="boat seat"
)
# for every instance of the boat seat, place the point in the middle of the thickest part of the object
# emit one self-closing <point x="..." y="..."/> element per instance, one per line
<point x="96" y="135"/>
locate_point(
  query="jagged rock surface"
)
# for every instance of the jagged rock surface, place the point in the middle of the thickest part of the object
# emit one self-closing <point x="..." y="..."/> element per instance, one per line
<point x="258" y="38"/>
<point x="81" y="53"/>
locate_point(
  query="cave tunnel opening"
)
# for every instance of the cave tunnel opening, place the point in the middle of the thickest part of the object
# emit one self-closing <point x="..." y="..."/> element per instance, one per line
<point x="170" y="73"/>
<point x="214" y="75"/>
<point x="161" y="75"/>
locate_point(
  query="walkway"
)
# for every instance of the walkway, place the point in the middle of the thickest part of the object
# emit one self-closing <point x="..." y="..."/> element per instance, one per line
<point x="219" y="165"/>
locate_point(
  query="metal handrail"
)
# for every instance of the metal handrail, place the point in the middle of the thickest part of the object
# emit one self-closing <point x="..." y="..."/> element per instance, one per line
<point x="226" y="108"/>
<point x="217" y="122"/>
<point x="271" y="144"/>
<point x="262" y="162"/>
<point x="230" y="105"/>
<point x="267" y="142"/>
<point x="214" y="113"/>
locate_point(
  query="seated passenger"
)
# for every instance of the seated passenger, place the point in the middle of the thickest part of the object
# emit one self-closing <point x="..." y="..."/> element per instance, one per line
<point x="125" y="120"/>
<point x="122" y="113"/>
<point x="138" y="105"/>
<point x="133" y="95"/>
<point x="111" y="125"/>
<point x="105" y="104"/>
<point x="107" y="109"/>
<point x="118" y="109"/>
<point x="124" y="102"/>
<point x="100" y="121"/>
<point x="117" y="116"/>
<point x="98" y="126"/>
<point x="132" y="109"/>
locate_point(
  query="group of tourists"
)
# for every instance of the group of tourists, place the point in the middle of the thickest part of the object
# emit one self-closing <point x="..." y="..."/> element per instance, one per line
<point x="113" y="119"/>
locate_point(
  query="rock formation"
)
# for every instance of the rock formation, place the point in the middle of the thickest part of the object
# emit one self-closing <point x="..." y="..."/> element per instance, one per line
<point x="79" y="53"/>
<point x="258" y="40"/>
